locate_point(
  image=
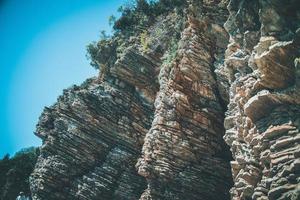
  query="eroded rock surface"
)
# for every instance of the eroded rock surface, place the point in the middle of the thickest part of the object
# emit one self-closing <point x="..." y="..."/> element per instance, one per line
<point x="183" y="155"/>
<point x="152" y="126"/>
<point x="92" y="138"/>
<point x="263" y="115"/>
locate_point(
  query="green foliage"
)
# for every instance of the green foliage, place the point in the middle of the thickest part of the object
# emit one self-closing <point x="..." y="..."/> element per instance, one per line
<point x="167" y="5"/>
<point x="126" y="21"/>
<point x="111" y="20"/>
<point x="143" y="7"/>
<point x="92" y="54"/>
<point x="136" y="17"/>
<point x="103" y="35"/>
<point x="15" y="172"/>
<point x="145" y="41"/>
<point x="135" y="11"/>
<point x="102" y="53"/>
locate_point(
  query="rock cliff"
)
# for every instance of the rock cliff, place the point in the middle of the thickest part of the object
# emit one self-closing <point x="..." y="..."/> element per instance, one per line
<point x="262" y="120"/>
<point x="202" y="104"/>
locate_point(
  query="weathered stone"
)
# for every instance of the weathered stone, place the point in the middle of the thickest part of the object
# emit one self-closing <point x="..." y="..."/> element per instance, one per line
<point x="269" y="46"/>
<point x="153" y="128"/>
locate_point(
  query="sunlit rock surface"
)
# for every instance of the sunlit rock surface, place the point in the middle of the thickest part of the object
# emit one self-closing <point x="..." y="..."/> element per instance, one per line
<point x="263" y="115"/>
<point x="155" y="126"/>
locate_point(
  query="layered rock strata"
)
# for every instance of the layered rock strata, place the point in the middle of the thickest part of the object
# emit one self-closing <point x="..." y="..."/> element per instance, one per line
<point x="153" y="126"/>
<point x="183" y="155"/>
<point x="92" y="137"/>
<point x="262" y="121"/>
<point x="95" y="133"/>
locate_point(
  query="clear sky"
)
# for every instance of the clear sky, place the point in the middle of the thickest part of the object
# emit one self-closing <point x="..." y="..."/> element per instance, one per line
<point x="42" y="52"/>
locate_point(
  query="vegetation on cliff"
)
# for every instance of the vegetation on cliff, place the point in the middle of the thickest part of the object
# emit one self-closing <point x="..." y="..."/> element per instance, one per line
<point x="175" y="86"/>
<point x="134" y="27"/>
<point x="15" y="171"/>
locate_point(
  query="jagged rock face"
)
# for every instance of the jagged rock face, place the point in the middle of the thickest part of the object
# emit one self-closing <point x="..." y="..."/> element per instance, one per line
<point x="262" y="121"/>
<point x="183" y="155"/>
<point x="95" y="133"/>
<point x="154" y="128"/>
<point x="92" y="137"/>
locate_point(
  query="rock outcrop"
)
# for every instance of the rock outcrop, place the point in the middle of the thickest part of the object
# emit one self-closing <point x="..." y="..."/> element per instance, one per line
<point x="156" y="123"/>
<point x="183" y="155"/>
<point x="262" y="120"/>
<point x="92" y="138"/>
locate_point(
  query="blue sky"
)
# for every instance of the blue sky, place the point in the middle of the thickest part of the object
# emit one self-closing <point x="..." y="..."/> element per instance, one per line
<point x="42" y="52"/>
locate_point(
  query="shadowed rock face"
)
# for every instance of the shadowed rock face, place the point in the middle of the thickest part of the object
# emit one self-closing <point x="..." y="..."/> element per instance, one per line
<point x="91" y="140"/>
<point x="154" y="127"/>
<point x="263" y="115"/>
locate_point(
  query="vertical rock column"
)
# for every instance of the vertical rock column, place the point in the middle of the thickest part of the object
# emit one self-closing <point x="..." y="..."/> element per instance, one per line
<point x="262" y="121"/>
<point x="183" y="155"/>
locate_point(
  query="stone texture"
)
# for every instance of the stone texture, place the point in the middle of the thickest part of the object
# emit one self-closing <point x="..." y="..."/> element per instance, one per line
<point x="262" y="120"/>
<point x="153" y="127"/>
<point x="183" y="156"/>
<point x="91" y="141"/>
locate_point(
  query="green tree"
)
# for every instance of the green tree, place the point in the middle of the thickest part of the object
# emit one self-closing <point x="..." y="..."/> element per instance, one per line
<point x="15" y="172"/>
<point x="143" y="6"/>
<point x="111" y="20"/>
<point x="103" y="35"/>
